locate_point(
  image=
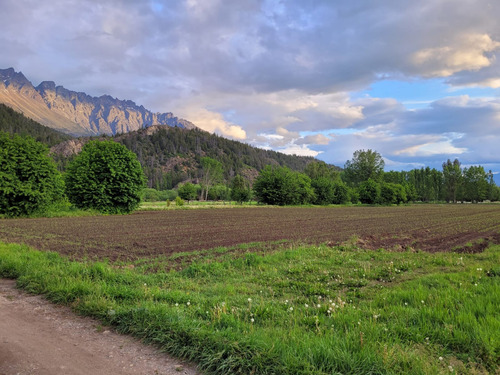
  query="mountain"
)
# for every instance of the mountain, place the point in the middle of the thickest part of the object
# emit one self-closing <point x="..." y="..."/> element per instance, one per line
<point x="172" y="155"/>
<point x="77" y="113"/>
<point x="13" y="122"/>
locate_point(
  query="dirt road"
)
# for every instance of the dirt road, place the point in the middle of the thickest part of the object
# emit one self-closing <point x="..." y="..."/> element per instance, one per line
<point x="37" y="337"/>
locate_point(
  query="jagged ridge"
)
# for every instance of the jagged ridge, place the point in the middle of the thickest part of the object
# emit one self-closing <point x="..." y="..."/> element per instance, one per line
<point x="77" y="113"/>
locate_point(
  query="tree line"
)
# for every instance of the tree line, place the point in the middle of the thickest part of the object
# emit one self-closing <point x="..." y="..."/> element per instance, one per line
<point x="107" y="177"/>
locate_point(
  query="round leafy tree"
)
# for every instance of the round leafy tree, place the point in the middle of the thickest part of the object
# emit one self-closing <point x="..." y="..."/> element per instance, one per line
<point x="29" y="180"/>
<point x="105" y="176"/>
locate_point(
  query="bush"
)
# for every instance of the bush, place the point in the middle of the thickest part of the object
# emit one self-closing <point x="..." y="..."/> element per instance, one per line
<point x="324" y="190"/>
<point x="240" y="191"/>
<point x="392" y="193"/>
<point x="187" y="192"/>
<point x="341" y="193"/>
<point x="179" y="201"/>
<point x="369" y="192"/>
<point x="29" y="180"/>
<point x="282" y="186"/>
<point x="105" y="176"/>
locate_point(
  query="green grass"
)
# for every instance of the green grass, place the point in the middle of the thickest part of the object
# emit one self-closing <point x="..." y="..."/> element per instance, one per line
<point x="297" y="310"/>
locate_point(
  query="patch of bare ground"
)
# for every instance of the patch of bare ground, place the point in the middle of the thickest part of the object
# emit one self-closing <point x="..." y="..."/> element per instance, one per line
<point x="153" y="233"/>
<point x="37" y="337"/>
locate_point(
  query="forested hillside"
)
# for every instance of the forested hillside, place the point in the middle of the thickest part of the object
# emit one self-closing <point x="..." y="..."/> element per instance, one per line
<point x="170" y="155"/>
<point x="13" y="122"/>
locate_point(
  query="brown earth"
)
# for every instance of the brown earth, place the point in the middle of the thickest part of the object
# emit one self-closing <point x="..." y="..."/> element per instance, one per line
<point x="40" y="338"/>
<point x="150" y="234"/>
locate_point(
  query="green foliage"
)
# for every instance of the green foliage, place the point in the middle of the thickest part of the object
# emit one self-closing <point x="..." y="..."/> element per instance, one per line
<point x="298" y="310"/>
<point x="281" y="186"/>
<point x="341" y="193"/>
<point x="172" y="155"/>
<point x="187" y="191"/>
<point x="392" y="193"/>
<point x="324" y="190"/>
<point x="13" y="122"/>
<point x="153" y="195"/>
<point x="212" y="174"/>
<point x="364" y="165"/>
<point x="369" y="192"/>
<point x="316" y="169"/>
<point x="240" y="190"/>
<point x="29" y="180"/>
<point x="179" y="201"/>
<point x="105" y="176"/>
<point x="452" y="175"/>
<point x="219" y="192"/>
<point x="475" y="184"/>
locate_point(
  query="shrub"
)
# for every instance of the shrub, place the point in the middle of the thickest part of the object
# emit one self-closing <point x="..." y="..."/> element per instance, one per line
<point x="369" y="192"/>
<point x="29" y="180"/>
<point x="282" y="186"/>
<point x="240" y="191"/>
<point x="105" y="176"/>
<point x="187" y="191"/>
<point x="179" y="201"/>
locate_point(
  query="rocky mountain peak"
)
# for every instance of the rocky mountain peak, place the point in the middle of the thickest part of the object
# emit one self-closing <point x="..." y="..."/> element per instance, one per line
<point x="77" y="113"/>
<point x="11" y="77"/>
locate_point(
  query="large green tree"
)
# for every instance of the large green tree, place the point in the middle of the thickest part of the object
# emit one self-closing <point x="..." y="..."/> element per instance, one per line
<point x="212" y="174"/>
<point x="475" y="184"/>
<point x="105" y="176"/>
<point x="29" y="180"/>
<point x="364" y="165"/>
<point x="452" y="175"/>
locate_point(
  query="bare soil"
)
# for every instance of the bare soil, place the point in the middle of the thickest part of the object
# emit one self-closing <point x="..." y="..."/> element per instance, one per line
<point x="149" y="234"/>
<point x="37" y="337"/>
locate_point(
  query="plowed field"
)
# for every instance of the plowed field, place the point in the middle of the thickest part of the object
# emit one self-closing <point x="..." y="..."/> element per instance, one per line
<point x="145" y="234"/>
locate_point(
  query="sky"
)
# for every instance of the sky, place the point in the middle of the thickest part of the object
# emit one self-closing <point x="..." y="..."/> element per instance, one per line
<point x="416" y="81"/>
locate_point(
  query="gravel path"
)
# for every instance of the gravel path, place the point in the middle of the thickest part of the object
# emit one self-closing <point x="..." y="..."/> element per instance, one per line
<point x="37" y="337"/>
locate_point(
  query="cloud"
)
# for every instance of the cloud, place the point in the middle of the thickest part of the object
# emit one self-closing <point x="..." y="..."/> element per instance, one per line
<point x="280" y="75"/>
<point x="318" y="139"/>
<point x="469" y="52"/>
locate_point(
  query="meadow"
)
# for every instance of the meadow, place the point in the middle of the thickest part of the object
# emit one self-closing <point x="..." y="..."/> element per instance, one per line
<point x="338" y="290"/>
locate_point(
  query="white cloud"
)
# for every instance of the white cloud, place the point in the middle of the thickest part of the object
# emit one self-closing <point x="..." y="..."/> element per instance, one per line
<point x="467" y="52"/>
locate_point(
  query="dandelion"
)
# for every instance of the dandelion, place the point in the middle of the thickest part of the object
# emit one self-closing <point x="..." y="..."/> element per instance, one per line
<point x="318" y="305"/>
<point x="306" y="305"/>
<point x="450" y="368"/>
<point x="422" y="301"/>
<point x="252" y="320"/>
<point x="188" y="303"/>
<point x="176" y="304"/>
<point x="249" y="300"/>
<point x="441" y="358"/>
<point x="286" y="301"/>
<point x="406" y="303"/>
<point x="291" y="308"/>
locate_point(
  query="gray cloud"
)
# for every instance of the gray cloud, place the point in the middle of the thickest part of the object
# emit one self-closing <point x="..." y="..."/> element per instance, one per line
<point x="272" y="72"/>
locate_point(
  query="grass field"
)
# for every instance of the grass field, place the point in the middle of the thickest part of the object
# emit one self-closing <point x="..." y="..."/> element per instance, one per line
<point x="287" y="307"/>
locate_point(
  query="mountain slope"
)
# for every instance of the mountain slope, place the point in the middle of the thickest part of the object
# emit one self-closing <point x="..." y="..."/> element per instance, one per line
<point x="77" y="113"/>
<point x="172" y="155"/>
<point x="13" y="122"/>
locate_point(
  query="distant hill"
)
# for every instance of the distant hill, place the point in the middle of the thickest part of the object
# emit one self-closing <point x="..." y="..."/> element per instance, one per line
<point x="13" y="122"/>
<point x="77" y="113"/>
<point x="171" y="155"/>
